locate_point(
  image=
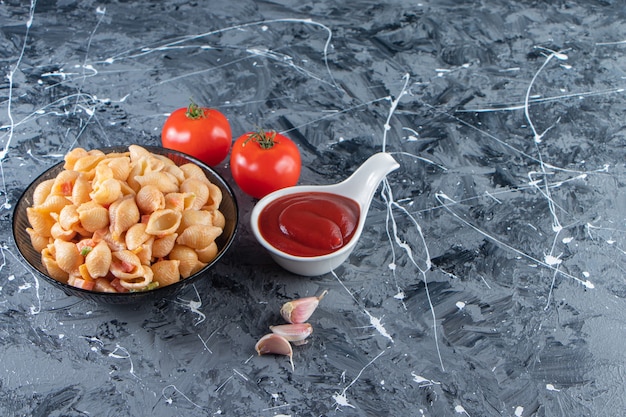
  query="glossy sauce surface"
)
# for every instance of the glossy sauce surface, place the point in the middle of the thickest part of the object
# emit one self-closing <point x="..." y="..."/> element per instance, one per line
<point x="309" y="224"/>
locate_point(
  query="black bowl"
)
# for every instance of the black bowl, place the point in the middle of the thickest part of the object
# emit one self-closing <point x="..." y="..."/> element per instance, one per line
<point x="228" y="207"/>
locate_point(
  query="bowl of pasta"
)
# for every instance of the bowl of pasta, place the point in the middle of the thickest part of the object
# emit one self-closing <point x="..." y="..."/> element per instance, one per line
<point x="122" y="224"/>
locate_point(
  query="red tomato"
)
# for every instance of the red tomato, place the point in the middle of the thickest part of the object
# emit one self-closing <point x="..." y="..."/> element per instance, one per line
<point x="198" y="131"/>
<point x="262" y="162"/>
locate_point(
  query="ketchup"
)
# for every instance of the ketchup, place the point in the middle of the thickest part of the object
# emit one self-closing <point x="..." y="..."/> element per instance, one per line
<point x="309" y="224"/>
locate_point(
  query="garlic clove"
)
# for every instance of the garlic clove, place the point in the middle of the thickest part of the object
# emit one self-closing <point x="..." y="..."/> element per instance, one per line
<point x="295" y="333"/>
<point x="299" y="310"/>
<point x="275" y="344"/>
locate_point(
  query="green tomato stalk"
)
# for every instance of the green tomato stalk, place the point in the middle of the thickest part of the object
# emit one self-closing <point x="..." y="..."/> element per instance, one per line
<point x="266" y="140"/>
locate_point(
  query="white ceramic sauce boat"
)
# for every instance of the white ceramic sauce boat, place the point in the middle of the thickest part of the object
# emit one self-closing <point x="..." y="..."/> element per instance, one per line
<point x="360" y="187"/>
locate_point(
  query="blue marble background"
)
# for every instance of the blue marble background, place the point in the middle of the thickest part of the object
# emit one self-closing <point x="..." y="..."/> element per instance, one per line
<point x="491" y="278"/>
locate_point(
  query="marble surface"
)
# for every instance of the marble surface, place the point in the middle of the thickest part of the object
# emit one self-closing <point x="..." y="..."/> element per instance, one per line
<point x="491" y="277"/>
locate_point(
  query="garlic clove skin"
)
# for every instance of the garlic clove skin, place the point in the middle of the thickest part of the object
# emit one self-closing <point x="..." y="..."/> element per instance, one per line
<point x="275" y="344"/>
<point x="296" y="333"/>
<point x="299" y="310"/>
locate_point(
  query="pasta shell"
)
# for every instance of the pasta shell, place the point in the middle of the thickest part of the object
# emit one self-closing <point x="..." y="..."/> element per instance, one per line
<point x="98" y="261"/>
<point x="82" y="189"/>
<point x="38" y="241"/>
<point x="114" y="155"/>
<point x="199" y="189"/>
<point x="166" y="161"/>
<point x="68" y="217"/>
<point x="215" y="198"/>
<point x="163" y="222"/>
<point x="144" y="252"/>
<point x="198" y="236"/>
<point x="166" y="272"/>
<point x="64" y="182"/>
<point x="138" y="168"/>
<point x="191" y="217"/>
<point x="193" y="171"/>
<point x="140" y="282"/>
<point x="136" y="236"/>
<point x="207" y="254"/>
<point x="87" y="165"/>
<point x="106" y="191"/>
<point x="53" y="204"/>
<point x="155" y="164"/>
<point x="67" y="256"/>
<point x="93" y="216"/>
<point x="49" y="262"/>
<point x="165" y="182"/>
<point x="126" y="189"/>
<point x="122" y="215"/>
<point x="103" y="172"/>
<point x="72" y="156"/>
<point x="42" y="191"/>
<point x="218" y="219"/>
<point x="137" y="152"/>
<point x="126" y="265"/>
<point x="115" y="243"/>
<point x="142" y="165"/>
<point x="58" y="232"/>
<point x="175" y="171"/>
<point x="41" y="222"/>
<point x="80" y="230"/>
<point x="119" y="166"/>
<point x="150" y="199"/>
<point x="163" y="246"/>
<point x="189" y="263"/>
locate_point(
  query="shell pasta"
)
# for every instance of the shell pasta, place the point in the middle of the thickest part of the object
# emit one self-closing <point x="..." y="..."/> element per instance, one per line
<point x="128" y="221"/>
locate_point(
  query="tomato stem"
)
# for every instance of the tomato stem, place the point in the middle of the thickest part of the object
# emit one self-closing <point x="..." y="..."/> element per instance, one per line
<point x="266" y="140"/>
<point x="194" y="111"/>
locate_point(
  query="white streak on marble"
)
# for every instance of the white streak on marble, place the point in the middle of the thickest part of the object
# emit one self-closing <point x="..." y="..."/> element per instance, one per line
<point x="459" y="409"/>
<point x="170" y="400"/>
<point x="242" y="376"/>
<point x="400" y="295"/>
<point x="423" y="382"/>
<point x="194" y="306"/>
<point x="205" y="344"/>
<point x="552" y="260"/>
<point x="392" y="109"/>
<point x="34" y="309"/>
<point x="7" y="144"/>
<point x="341" y="400"/>
<point x="126" y="355"/>
<point x="377" y="324"/>
<point x="447" y="203"/>
<point x="392" y="234"/>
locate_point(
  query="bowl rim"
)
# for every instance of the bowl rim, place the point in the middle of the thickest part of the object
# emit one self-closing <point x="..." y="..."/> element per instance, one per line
<point x="71" y="290"/>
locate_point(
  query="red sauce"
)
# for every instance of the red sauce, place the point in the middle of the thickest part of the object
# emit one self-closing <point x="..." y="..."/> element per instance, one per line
<point x="309" y="224"/>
